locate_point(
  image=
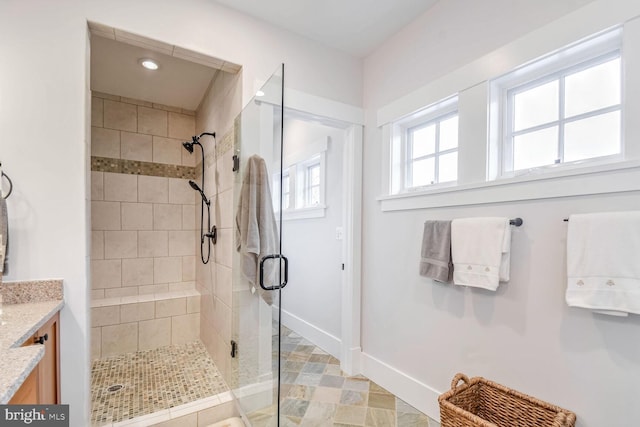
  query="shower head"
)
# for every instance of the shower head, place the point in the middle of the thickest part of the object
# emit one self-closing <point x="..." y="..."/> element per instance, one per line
<point x="188" y="146"/>
<point x="195" y="140"/>
<point x="199" y="190"/>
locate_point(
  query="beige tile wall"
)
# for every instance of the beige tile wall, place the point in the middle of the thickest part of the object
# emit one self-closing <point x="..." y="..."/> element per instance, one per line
<point x="214" y="281"/>
<point x="124" y="128"/>
<point x="143" y="238"/>
<point x="131" y="326"/>
<point x="143" y="228"/>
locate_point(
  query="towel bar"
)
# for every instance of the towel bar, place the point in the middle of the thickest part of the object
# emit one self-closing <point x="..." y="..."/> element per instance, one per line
<point x="516" y="221"/>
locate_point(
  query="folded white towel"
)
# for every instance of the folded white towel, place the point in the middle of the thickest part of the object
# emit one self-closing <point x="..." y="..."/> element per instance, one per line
<point x="480" y="249"/>
<point x="603" y="262"/>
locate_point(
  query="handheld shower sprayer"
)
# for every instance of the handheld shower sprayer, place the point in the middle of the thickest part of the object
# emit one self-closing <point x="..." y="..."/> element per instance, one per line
<point x="209" y="236"/>
<point x="199" y="190"/>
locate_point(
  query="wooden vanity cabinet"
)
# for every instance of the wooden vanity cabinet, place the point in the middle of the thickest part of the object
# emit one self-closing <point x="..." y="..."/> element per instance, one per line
<point x="42" y="386"/>
<point x="28" y="391"/>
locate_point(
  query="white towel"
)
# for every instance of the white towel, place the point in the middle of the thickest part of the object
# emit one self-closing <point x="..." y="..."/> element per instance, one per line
<point x="256" y="230"/>
<point x="603" y="262"/>
<point x="480" y="249"/>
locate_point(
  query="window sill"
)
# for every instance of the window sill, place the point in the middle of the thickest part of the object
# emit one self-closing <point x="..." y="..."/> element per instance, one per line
<point x="602" y="179"/>
<point x="304" y="213"/>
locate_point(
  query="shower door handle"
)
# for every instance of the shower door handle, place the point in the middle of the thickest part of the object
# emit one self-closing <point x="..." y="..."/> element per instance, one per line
<point x="286" y="271"/>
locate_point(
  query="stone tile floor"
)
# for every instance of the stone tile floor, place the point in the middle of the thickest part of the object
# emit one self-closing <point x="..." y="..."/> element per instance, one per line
<point x="315" y="392"/>
<point x="152" y="380"/>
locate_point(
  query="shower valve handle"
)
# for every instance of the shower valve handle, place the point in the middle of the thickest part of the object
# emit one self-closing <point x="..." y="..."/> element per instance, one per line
<point x="213" y="235"/>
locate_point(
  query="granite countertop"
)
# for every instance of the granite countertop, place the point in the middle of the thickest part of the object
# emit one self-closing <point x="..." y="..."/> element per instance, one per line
<point x="26" y="306"/>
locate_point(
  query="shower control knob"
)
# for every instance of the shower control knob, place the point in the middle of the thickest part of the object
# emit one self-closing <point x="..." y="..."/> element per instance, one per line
<point x="213" y="235"/>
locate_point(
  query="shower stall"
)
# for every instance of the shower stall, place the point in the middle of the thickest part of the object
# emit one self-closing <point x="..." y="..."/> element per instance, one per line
<point x="188" y="320"/>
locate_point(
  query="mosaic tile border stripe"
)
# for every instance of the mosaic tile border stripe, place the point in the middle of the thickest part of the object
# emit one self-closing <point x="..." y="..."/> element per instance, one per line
<point x="134" y="167"/>
<point x="223" y="145"/>
<point x="226" y="143"/>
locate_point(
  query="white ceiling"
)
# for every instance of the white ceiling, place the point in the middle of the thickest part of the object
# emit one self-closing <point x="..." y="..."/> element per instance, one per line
<point x="353" y="26"/>
<point x="178" y="83"/>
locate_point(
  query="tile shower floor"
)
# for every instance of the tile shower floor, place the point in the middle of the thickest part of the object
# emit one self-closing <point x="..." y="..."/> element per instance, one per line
<point x="152" y="380"/>
<point x="315" y="392"/>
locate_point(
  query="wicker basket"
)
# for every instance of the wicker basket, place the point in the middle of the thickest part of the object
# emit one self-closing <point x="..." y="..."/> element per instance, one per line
<point x="482" y="403"/>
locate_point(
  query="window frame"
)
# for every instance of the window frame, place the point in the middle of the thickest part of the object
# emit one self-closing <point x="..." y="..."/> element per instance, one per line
<point x="437" y="153"/>
<point x="401" y="157"/>
<point x="315" y="161"/>
<point x="296" y="166"/>
<point x="287" y="196"/>
<point x="588" y="53"/>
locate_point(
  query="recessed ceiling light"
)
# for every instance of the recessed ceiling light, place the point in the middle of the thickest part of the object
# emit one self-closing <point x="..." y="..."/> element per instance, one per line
<point x="149" y="64"/>
<point x="259" y="93"/>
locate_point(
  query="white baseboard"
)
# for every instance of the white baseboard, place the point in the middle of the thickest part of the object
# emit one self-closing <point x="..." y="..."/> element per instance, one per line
<point x="350" y="362"/>
<point x="310" y="332"/>
<point x="415" y="393"/>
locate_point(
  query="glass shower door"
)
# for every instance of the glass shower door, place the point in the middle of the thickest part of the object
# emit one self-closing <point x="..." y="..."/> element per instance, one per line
<point x="259" y="269"/>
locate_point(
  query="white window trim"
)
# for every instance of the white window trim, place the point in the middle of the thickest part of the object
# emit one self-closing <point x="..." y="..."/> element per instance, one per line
<point x="596" y="17"/>
<point x="287" y="173"/>
<point x="398" y="155"/>
<point x="296" y="164"/>
<point x="319" y="161"/>
<point x="619" y="177"/>
<point x="579" y="55"/>
<point x="318" y="211"/>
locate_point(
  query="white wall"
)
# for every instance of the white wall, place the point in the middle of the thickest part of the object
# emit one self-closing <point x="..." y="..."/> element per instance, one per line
<point x="44" y="51"/>
<point x="449" y="35"/>
<point x="313" y="294"/>
<point x="417" y="334"/>
<point x="43" y="150"/>
<point x="206" y="27"/>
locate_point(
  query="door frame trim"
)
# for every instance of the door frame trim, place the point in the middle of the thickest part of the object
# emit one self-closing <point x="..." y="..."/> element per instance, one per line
<point x="352" y="251"/>
<point x="351" y="119"/>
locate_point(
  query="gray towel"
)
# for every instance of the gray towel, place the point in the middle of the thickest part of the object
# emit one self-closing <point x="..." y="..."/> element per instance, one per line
<point x="4" y="243"/>
<point x="256" y="230"/>
<point x="436" y="251"/>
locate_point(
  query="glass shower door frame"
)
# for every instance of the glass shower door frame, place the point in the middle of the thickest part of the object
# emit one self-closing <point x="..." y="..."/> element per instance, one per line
<point x="255" y="332"/>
